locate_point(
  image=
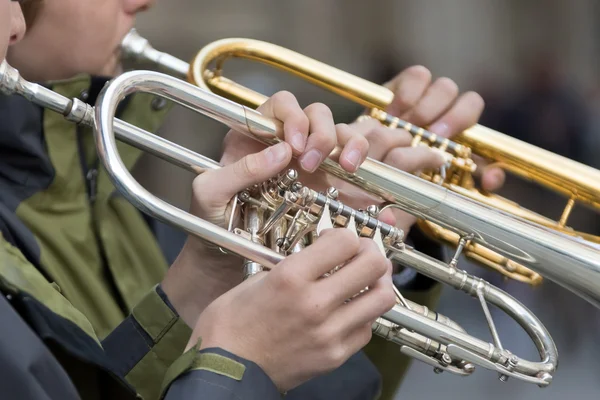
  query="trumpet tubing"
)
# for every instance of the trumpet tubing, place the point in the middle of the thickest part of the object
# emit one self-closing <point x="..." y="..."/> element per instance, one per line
<point x="574" y="180"/>
<point x="306" y="211"/>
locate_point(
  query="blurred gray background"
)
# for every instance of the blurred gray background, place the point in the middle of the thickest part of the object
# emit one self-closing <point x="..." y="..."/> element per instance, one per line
<point x="534" y="62"/>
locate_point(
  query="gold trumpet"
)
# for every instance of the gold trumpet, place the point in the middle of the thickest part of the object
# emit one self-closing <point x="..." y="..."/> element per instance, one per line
<point x="576" y="181"/>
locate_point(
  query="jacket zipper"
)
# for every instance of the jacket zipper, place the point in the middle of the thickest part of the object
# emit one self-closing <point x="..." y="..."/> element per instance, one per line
<point x="90" y="175"/>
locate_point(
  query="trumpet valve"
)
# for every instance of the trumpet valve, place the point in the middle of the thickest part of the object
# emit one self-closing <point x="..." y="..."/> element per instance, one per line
<point x="287" y="180"/>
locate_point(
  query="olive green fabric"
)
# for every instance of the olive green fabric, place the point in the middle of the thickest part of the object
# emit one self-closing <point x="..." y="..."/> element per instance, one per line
<point x="19" y="273"/>
<point x="386" y="356"/>
<point x="169" y="334"/>
<point x="193" y="360"/>
<point x="154" y="316"/>
<point x="179" y="367"/>
<point x="63" y="221"/>
<point x="220" y="365"/>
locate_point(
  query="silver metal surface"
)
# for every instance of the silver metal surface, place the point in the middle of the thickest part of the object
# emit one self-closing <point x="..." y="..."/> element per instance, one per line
<point x="137" y="48"/>
<point x="460" y="280"/>
<point x="12" y="83"/>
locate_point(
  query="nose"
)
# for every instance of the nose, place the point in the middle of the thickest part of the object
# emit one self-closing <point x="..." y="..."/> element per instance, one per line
<point x="137" y="6"/>
<point x="17" y="23"/>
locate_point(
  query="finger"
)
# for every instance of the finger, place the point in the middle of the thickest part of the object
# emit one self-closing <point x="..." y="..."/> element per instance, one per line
<point x="413" y="159"/>
<point x="322" y="138"/>
<point x="381" y="139"/>
<point x="464" y="114"/>
<point x="438" y="98"/>
<point x="284" y="107"/>
<point x="333" y="247"/>
<point x="404" y="221"/>
<point x="388" y="216"/>
<point x="237" y="145"/>
<point x="224" y="183"/>
<point x="355" y="147"/>
<point x="408" y="87"/>
<point x="364" y="270"/>
<point x="398" y="218"/>
<point x="492" y="178"/>
<point x="491" y="175"/>
<point x="363" y="309"/>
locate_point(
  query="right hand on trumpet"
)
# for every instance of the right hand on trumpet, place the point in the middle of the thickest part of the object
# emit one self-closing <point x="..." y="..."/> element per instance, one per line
<point x="310" y="134"/>
<point x="293" y="323"/>
<point x="245" y="165"/>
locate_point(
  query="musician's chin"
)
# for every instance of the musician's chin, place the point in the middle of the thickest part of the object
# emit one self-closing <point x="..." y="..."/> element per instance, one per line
<point x="113" y="66"/>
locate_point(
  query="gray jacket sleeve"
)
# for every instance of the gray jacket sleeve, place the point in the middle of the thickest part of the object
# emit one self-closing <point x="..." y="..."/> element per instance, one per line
<point x="28" y="370"/>
<point x="216" y="374"/>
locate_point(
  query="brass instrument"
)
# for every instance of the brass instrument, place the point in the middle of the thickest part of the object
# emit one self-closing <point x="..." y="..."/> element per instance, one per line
<point x="281" y="216"/>
<point x="576" y="181"/>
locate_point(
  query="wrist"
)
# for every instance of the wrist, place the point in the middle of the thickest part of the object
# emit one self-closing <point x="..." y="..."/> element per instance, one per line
<point x="198" y="277"/>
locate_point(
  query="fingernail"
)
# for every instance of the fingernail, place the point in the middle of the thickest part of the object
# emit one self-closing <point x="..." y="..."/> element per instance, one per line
<point x="298" y="141"/>
<point x="276" y="154"/>
<point x="311" y="160"/>
<point x="440" y="128"/>
<point x="353" y="158"/>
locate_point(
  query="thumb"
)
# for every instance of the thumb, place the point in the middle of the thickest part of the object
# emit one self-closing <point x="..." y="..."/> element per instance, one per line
<point x="226" y="182"/>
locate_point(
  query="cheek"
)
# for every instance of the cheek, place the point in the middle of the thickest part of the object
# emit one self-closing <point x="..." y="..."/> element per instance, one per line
<point x="3" y="47"/>
<point x="88" y="53"/>
<point x="4" y="29"/>
<point x="4" y="38"/>
<point x="82" y="39"/>
<point x="96" y="44"/>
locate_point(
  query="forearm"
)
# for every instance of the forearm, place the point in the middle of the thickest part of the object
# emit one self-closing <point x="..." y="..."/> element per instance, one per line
<point x="199" y="276"/>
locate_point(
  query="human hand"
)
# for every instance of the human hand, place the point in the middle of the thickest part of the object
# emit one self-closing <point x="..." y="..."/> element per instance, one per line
<point x="422" y="103"/>
<point x="311" y="132"/>
<point x="201" y="272"/>
<point x="292" y="322"/>
<point x="439" y="106"/>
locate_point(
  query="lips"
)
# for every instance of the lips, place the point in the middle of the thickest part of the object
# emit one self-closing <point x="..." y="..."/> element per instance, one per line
<point x="127" y="26"/>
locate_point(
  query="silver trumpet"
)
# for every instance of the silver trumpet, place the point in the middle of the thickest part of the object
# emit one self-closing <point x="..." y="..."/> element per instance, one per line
<point x="282" y="216"/>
